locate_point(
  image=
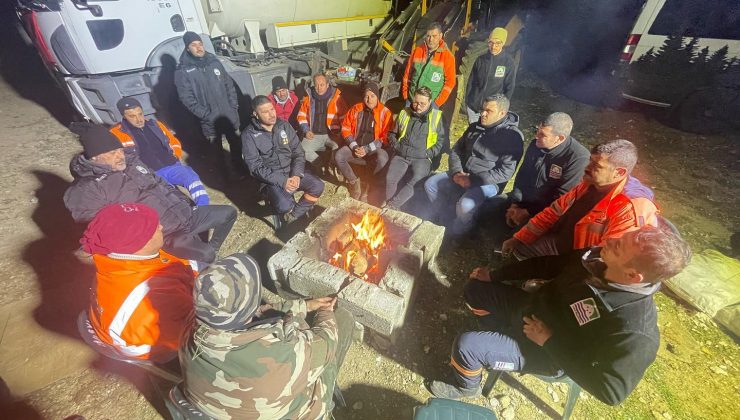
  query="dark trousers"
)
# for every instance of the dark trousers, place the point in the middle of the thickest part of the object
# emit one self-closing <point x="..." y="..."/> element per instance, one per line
<point x="283" y="201"/>
<point x="501" y="343"/>
<point x="399" y="186"/>
<point x="345" y="156"/>
<point x="492" y="216"/>
<point x="188" y="244"/>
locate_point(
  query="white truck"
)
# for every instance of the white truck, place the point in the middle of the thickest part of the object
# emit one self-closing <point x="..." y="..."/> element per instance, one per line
<point x="102" y="50"/>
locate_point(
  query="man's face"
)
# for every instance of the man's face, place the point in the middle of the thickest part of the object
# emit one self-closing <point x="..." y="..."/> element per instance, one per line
<point x="432" y="38"/>
<point x="495" y="46"/>
<point x="115" y="159"/>
<point x="370" y="99"/>
<point x="135" y="117"/>
<point x="321" y="85"/>
<point x="282" y="94"/>
<point x="266" y="115"/>
<point x="546" y="139"/>
<point x="600" y="172"/>
<point x="196" y="49"/>
<point x="491" y="113"/>
<point x="421" y="104"/>
<point x="618" y="254"/>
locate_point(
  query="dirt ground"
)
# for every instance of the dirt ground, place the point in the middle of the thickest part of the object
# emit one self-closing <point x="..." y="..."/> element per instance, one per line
<point x="49" y="373"/>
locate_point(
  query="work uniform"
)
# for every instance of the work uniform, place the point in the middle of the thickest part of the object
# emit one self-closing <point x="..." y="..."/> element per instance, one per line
<point x="491" y="74"/>
<point x="416" y="139"/>
<point x="142" y="305"/>
<point x="161" y="151"/>
<point x="367" y="128"/>
<point x="435" y="70"/>
<point x="322" y="115"/>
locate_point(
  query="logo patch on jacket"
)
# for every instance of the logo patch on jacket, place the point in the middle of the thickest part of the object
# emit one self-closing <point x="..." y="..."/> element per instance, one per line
<point x="556" y="172"/>
<point x="142" y="169"/>
<point x="585" y="311"/>
<point x="500" y="71"/>
<point x="284" y="136"/>
<point x="436" y="77"/>
<point x="217" y="72"/>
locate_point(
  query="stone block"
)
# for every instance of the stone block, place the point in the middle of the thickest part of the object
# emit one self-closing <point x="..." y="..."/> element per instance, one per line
<point x="403" y="268"/>
<point x="428" y="238"/>
<point x="399" y="225"/>
<point x="282" y="261"/>
<point x="312" y="278"/>
<point x="373" y="307"/>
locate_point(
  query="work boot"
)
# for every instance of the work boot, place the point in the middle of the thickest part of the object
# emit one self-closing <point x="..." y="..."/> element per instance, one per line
<point x="444" y="390"/>
<point x="355" y="189"/>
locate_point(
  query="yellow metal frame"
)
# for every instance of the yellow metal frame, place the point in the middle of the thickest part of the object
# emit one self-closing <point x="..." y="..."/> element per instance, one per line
<point x="332" y="20"/>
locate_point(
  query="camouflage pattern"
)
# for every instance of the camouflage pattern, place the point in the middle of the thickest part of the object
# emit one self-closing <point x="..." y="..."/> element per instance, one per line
<point x="272" y="369"/>
<point x="227" y="293"/>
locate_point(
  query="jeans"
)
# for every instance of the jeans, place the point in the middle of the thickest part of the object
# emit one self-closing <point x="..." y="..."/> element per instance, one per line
<point x="283" y="201"/>
<point x="468" y="200"/>
<point x="397" y="171"/>
<point x="345" y="156"/>
<point x="318" y="143"/>
<point x="185" y="176"/>
<point x="189" y="244"/>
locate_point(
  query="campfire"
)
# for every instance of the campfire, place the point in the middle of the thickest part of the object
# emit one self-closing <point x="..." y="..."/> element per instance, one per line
<point x="357" y="248"/>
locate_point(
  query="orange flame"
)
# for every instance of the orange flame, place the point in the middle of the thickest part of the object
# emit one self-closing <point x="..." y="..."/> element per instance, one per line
<point x="369" y="236"/>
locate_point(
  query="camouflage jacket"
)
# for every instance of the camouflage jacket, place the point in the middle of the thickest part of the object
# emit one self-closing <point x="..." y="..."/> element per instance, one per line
<point x="269" y="370"/>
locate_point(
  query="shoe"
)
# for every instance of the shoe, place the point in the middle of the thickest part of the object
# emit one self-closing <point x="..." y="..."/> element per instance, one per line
<point x="289" y="218"/>
<point x="451" y="392"/>
<point x="355" y="189"/>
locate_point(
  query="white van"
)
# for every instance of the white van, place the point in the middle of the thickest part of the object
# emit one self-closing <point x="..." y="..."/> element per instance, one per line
<point x="682" y="53"/>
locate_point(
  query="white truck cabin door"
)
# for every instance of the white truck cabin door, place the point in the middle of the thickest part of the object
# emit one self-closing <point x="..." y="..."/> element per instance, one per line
<point x="119" y="35"/>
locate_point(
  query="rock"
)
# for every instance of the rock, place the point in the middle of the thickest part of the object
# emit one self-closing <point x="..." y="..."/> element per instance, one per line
<point x="34" y="200"/>
<point x="494" y="402"/>
<point x="443" y="317"/>
<point x="426" y="349"/>
<point x="667" y="416"/>
<point x="508" y="413"/>
<point x="357" y="405"/>
<point x="505" y="401"/>
<point x="718" y="370"/>
<point x="413" y="376"/>
<point x="555" y="397"/>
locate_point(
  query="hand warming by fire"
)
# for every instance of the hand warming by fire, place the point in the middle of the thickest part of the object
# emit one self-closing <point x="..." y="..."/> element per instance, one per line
<point x="357" y="249"/>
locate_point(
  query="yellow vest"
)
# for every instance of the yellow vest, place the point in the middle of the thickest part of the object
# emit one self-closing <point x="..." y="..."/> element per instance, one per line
<point x="434" y="118"/>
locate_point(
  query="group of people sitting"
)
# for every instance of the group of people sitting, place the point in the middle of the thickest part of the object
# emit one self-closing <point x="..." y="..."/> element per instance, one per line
<point x="590" y="246"/>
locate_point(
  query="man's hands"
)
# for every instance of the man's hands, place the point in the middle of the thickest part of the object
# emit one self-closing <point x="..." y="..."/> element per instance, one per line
<point x="481" y="274"/>
<point x="327" y="303"/>
<point x="462" y="179"/>
<point x="507" y="248"/>
<point x="309" y="135"/>
<point x="292" y="184"/>
<point x="516" y="216"/>
<point x="359" y="151"/>
<point x="536" y="330"/>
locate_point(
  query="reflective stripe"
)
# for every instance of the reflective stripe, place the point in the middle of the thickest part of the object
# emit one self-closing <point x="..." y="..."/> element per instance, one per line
<point x="128" y="143"/>
<point x="121" y="319"/>
<point x="198" y="194"/>
<point x="434" y="118"/>
<point x="194" y="185"/>
<point x="463" y="371"/>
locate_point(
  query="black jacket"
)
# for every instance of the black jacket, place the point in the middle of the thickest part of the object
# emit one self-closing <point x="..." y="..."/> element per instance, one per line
<point x="96" y="186"/>
<point x="606" y="353"/>
<point x="545" y="175"/>
<point x="272" y="157"/>
<point x="489" y="154"/>
<point x="205" y="89"/>
<point x="491" y="74"/>
<point x="414" y="144"/>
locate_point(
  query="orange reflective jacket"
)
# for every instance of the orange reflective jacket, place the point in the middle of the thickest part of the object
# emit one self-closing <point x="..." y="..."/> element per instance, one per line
<point x="127" y="140"/>
<point x="383" y="121"/>
<point x="611" y="217"/>
<point x="437" y="73"/>
<point x="335" y="110"/>
<point x="142" y="306"/>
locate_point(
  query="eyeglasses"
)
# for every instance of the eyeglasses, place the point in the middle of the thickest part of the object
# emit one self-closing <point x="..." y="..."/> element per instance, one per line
<point x="495" y="43"/>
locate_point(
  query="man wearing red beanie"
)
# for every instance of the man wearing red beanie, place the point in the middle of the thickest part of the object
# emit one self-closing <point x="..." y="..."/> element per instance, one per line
<point x="142" y="298"/>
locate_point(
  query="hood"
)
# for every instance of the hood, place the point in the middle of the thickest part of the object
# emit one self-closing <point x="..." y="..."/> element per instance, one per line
<point x="635" y="189"/>
<point x="211" y="339"/>
<point x="510" y="120"/>
<point x="187" y="60"/>
<point x="81" y="167"/>
<point x="565" y="145"/>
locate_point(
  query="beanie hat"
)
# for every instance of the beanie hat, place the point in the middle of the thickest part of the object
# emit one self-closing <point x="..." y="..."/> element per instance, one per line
<point x="97" y="140"/>
<point x="123" y="228"/>
<point x="372" y="87"/>
<point x="228" y="293"/>
<point x="500" y="34"/>
<point x="278" y="83"/>
<point x="127" y="103"/>
<point x="189" y="37"/>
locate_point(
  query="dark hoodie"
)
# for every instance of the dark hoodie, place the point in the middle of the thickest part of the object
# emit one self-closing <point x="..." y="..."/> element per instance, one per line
<point x="272" y="157"/>
<point x="603" y="337"/>
<point x="489" y="154"/>
<point x="206" y="89"/>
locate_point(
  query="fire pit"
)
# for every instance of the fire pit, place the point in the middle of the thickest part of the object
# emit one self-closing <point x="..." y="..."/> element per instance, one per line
<point x="370" y="258"/>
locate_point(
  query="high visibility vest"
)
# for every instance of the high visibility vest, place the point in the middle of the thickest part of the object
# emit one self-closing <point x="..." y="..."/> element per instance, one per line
<point x="433" y="122"/>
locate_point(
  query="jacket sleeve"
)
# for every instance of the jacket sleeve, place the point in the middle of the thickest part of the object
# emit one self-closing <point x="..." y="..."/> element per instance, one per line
<point x="435" y="150"/>
<point x="619" y="361"/>
<point x="455" y="160"/>
<point x="256" y="166"/>
<point x="187" y="96"/>
<point x="406" y="75"/>
<point x="84" y="199"/>
<point x="510" y="79"/>
<point x="540" y="223"/>
<point x="471" y="85"/>
<point x="572" y="175"/>
<point x="506" y="164"/>
<point x="393" y="133"/>
<point x="348" y="127"/>
<point x="229" y="86"/>
<point x="175" y="144"/>
<point x="323" y="337"/>
<point x="546" y="267"/>
<point x="302" y="116"/>
<point x="620" y="222"/>
<point x="297" y="156"/>
<point x="450" y="78"/>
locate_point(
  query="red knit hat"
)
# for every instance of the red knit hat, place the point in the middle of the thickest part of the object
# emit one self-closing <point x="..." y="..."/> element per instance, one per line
<point x="123" y="228"/>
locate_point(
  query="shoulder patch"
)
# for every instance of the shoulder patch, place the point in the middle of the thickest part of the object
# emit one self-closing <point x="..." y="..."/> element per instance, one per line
<point x="585" y="311"/>
<point x="142" y="169"/>
<point x="556" y="172"/>
<point x="217" y="72"/>
<point x="500" y="71"/>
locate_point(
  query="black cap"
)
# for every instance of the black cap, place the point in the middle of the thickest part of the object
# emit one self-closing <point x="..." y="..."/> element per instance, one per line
<point x="278" y="83"/>
<point x="127" y="103"/>
<point x="97" y="140"/>
<point x="189" y="37"/>
<point x="372" y="87"/>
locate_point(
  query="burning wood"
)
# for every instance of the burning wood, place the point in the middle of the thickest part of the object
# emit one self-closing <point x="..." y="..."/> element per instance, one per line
<point x="357" y="249"/>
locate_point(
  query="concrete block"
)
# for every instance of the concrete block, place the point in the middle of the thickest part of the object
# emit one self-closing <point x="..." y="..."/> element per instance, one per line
<point x="403" y="269"/>
<point x="306" y="245"/>
<point x="312" y="278"/>
<point x="373" y="307"/>
<point x="282" y="261"/>
<point x="358" y="332"/>
<point x="399" y="225"/>
<point x="428" y="238"/>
